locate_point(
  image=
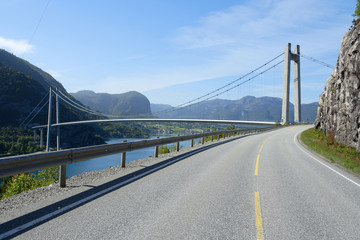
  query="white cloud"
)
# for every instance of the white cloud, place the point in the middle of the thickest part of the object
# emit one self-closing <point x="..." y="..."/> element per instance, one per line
<point x="17" y="47"/>
<point x="55" y="74"/>
<point x="262" y="24"/>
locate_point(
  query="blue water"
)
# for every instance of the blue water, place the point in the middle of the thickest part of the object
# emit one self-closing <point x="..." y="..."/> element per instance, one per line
<point x="113" y="160"/>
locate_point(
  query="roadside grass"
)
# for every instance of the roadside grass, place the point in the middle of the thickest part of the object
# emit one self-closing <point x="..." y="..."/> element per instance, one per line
<point x="327" y="146"/>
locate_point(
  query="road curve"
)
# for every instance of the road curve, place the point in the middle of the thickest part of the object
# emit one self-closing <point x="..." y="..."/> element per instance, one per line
<point x="264" y="186"/>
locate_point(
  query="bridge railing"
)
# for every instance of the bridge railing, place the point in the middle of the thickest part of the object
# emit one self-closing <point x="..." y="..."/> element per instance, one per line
<point x="30" y="162"/>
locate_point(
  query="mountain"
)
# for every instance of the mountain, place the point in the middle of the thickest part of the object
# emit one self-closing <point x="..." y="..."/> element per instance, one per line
<point x="43" y="78"/>
<point x="159" y="107"/>
<point x="125" y="104"/>
<point x="23" y="86"/>
<point x="19" y="94"/>
<point x="247" y="108"/>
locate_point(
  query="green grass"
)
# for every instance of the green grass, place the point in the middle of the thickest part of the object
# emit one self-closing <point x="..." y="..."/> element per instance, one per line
<point x="327" y="146"/>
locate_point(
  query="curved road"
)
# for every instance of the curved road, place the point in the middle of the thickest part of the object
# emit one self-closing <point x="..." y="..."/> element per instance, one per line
<point x="264" y="186"/>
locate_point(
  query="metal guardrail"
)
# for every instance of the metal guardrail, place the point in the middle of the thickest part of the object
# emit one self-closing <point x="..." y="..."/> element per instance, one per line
<point x="25" y="163"/>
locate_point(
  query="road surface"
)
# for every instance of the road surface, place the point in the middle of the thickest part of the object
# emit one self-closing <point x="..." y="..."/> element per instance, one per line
<point x="264" y="186"/>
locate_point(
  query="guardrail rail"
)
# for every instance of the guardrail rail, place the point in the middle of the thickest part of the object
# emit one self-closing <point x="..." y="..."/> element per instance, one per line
<point x="30" y="162"/>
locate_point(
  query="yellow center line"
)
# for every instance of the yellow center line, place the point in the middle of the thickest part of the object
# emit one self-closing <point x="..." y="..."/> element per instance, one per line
<point x="257" y="165"/>
<point x="261" y="147"/>
<point x="259" y="223"/>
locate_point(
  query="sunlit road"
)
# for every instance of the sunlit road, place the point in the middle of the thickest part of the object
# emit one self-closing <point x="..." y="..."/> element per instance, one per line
<point x="264" y="186"/>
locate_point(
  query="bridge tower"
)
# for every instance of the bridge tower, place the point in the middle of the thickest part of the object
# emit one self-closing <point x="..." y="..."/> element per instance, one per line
<point x="289" y="56"/>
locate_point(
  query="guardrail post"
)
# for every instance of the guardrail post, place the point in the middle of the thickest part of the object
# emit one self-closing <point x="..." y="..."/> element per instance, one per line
<point x="178" y="145"/>
<point x="156" y="153"/>
<point x="123" y="157"/>
<point x="212" y="138"/>
<point x="192" y="142"/>
<point x="62" y="176"/>
<point x="203" y="140"/>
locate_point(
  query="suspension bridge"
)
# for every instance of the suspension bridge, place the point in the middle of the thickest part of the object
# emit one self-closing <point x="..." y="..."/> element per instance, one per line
<point x="256" y="186"/>
<point x="288" y="56"/>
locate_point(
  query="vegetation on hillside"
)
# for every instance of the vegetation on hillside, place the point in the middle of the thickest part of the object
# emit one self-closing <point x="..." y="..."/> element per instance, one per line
<point x="16" y="141"/>
<point x="120" y="130"/>
<point x="357" y="10"/>
<point x="327" y="146"/>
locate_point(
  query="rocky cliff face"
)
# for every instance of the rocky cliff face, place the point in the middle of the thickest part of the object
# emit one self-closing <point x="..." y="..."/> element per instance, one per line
<point x="339" y="104"/>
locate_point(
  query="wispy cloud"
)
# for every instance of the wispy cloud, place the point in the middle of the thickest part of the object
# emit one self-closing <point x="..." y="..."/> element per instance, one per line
<point x="54" y="73"/>
<point x="17" y="47"/>
<point x="263" y="24"/>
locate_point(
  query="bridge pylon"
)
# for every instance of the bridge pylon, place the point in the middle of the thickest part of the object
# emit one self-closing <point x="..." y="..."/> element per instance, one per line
<point x="289" y="56"/>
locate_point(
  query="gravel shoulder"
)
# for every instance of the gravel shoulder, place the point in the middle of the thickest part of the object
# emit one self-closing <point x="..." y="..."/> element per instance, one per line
<point x="33" y="200"/>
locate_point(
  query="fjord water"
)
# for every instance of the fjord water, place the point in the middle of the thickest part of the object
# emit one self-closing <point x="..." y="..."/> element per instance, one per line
<point x="113" y="160"/>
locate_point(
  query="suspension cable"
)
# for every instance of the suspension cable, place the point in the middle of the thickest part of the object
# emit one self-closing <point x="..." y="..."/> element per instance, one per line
<point x="227" y="90"/>
<point x="318" y="61"/>
<point x="216" y="90"/>
<point x="79" y="107"/>
<point x="33" y="110"/>
<point x="75" y="103"/>
<point x="37" y="112"/>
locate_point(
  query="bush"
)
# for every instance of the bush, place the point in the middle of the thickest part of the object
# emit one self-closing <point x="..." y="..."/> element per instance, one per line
<point x="28" y="181"/>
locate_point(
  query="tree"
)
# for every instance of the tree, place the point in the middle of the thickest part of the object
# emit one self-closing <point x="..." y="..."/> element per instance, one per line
<point x="357" y="10"/>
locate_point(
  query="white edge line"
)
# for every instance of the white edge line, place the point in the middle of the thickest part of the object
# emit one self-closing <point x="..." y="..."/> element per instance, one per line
<point x="307" y="153"/>
<point x="68" y="207"/>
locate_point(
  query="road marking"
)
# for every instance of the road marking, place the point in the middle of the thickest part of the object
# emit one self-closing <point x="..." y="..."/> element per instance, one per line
<point x="259" y="223"/>
<point x="258" y="157"/>
<point x="261" y="147"/>
<point x="91" y="197"/>
<point x="317" y="160"/>
<point x="257" y="165"/>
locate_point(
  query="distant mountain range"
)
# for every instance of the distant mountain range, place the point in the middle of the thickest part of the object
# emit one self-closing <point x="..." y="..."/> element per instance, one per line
<point x="247" y="108"/>
<point x="126" y="104"/>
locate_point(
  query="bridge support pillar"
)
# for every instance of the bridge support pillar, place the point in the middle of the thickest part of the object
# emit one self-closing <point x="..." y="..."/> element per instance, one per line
<point x="289" y="56"/>
<point x="297" y="89"/>
<point x="49" y="122"/>
<point x="41" y="137"/>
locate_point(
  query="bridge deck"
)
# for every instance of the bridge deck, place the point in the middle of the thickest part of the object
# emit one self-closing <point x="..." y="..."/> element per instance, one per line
<point x="161" y="120"/>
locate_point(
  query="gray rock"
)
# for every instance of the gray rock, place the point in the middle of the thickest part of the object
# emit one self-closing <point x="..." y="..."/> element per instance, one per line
<point x="339" y="111"/>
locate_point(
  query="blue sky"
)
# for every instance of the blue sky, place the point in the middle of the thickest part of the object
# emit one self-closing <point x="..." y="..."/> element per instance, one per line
<point x="165" y="49"/>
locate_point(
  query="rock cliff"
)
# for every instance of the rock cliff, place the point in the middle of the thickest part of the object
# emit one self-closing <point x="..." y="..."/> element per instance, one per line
<point x="339" y="104"/>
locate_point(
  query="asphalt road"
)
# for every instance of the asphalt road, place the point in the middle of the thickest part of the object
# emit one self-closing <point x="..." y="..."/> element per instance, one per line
<point x="265" y="186"/>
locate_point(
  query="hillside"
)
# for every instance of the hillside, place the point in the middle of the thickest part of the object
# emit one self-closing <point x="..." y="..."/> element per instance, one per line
<point x="20" y="65"/>
<point x="246" y="108"/>
<point x="125" y="104"/>
<point x="20" y="93"/>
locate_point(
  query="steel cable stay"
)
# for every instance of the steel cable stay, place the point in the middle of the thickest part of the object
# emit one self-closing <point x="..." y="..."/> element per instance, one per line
<point x="227" y="90"/>
<point x="218" y="89"/>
